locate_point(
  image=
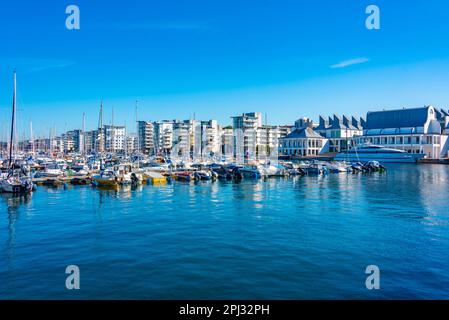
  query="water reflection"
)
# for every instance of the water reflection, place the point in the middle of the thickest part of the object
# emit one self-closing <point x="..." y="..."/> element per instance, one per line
<point x="13" y="201"/>
<point x="13" y="204"/>
<point x="118" y="192"/>
<point x="268" y="230"/>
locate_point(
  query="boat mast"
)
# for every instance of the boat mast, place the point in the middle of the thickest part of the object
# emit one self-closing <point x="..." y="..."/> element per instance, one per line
<point x="137" y="128"/>
<point x="112" y="133"/>
<point x="100" y="129"/>
<point x="13" y="120"/>
<point x="32" y="138"/>
<point x="84" y="135"/>
<point x="267" y="148"/>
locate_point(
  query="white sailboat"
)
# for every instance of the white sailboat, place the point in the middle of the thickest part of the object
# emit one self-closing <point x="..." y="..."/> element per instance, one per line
<point x="18" y="179"/>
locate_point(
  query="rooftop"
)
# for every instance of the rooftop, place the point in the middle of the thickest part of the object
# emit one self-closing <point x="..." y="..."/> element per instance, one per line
<point x="400" y="118"/>
<point x="303" y="133"/>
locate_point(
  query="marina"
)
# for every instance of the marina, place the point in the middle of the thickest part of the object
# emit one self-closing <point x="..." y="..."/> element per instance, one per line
<point x="224" y="159"/>
<point x="193" y="150"/>
<point x="128" y="174"/>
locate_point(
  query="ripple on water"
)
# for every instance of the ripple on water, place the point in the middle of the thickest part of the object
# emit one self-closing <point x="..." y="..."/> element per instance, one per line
<point x="309" y="237"/>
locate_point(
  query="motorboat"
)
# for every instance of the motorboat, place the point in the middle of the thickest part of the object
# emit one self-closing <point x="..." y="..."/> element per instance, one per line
<point x="155" y="177"/>
<point x="369" y="152"/>
<point x="315" y="168"/>
<point x="203" y="175"/>
<point x="183" y="176"/>
<point x="269" y="170"/>
<point x="338" y="167"/>
<point x="106" y="178"/>
<point x="250" y="171"/>
<point x="52" y="170"/>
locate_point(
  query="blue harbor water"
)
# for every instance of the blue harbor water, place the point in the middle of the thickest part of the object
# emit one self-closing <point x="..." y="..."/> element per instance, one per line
<point x="302" y="238"/>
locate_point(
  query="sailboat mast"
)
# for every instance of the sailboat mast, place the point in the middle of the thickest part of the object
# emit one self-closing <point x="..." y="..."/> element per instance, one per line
<point x="112" y="147"/>
<point x="84" y="134"/>
<point x="32" y="138"/>
<point x="13" y="120"/>
<point x="100" y="130"/>
<point x="137" y="127"/>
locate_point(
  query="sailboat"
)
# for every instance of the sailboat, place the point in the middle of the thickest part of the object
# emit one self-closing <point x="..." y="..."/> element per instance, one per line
<point x="18" y="179"/>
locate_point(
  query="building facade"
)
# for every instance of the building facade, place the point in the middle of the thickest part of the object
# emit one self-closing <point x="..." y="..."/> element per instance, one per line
<point x="339" y="131"/>
<point x="145" y="137"/>
<point x="115" y="138"/>
<point x="163" y="136"/>
<point x="303" y="142"/>
<point x="414" y="130"/>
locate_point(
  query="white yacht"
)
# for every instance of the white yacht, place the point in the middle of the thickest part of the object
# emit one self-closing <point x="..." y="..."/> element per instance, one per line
<point x="52" y="170"/>
<point x="378" y="153"/>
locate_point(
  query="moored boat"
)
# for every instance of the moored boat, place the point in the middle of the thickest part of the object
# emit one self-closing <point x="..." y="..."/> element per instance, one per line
<point x="369" y="152"/>
<point x="106" y="178"/>
<point x="183" y="176"/>
<point x="17" y="179"/>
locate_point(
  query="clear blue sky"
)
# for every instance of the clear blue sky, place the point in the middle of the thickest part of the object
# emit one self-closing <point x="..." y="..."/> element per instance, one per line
<point x="219" y="58"/>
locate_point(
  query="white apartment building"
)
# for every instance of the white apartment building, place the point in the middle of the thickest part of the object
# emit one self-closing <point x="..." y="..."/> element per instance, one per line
<point x="339" y="131"/>
<point x="145" y="137"/>
<point x="163" y="136"/>
<point x="245" y="134"/>
<point x="131" y="144"/>
<point x="67" y="141"/>
<point x="206" y="138"/>
<point x="115" y="138"/>
<point x="227" y="142"/>
<point x="182" y="139"/>
<point x="254" y="139"/>
<point x="89" y="141"/>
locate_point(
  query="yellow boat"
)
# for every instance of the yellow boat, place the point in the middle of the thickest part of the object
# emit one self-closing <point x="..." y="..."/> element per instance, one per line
<point x="106" y="178"/>
<point x="155" y="177"/>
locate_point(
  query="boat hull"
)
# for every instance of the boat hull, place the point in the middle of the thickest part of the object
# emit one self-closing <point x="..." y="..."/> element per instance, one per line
<point x="382" y="159"/>
<point x="106" y="182"/>
<point x="15" y="188"/>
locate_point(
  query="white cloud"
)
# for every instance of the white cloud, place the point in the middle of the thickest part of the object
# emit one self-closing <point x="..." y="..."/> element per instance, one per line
<point x="57" y="64"/>
<point x="347" y="63"/>
<point x="32" y="65"/>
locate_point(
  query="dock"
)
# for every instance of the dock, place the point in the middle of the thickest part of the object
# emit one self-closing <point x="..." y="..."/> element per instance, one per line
<point x="62" y="180"/>
<point x="434" y="161"/>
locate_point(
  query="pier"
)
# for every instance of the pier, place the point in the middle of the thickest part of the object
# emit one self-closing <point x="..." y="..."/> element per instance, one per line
<point x="434" y="161"/>
<point x="62" y="180"/>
